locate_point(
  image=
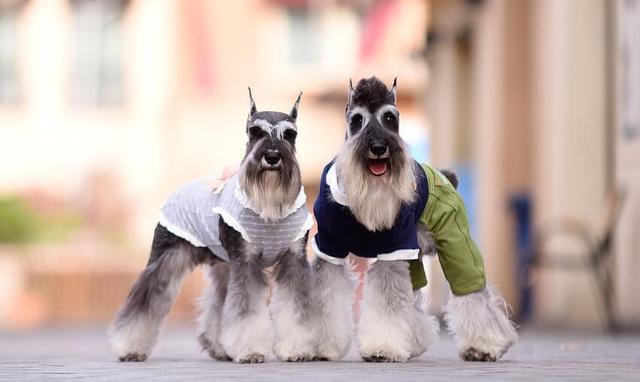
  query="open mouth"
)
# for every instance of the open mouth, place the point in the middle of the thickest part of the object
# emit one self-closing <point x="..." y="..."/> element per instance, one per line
<point x="377" y="166"/>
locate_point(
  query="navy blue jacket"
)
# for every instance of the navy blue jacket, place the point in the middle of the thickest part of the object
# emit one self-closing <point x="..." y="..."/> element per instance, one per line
<point x="339" y="233"/>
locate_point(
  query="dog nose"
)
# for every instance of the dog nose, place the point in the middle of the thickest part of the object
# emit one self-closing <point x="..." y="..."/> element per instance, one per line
<point x="272" y="157"/>
<point x="378" y="148"/>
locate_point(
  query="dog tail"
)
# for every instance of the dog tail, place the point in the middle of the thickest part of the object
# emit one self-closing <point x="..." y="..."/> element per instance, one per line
<point x="451" y="176"/>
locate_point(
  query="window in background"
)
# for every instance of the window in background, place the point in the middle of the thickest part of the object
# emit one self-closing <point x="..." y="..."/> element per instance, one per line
<point x="9" y="81"/>
<point x="97" y="77"/>
<point x="303" y="36"/>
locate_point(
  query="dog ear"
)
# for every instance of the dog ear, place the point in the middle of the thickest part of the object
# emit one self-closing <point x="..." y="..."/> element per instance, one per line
<point x="252" y="104"/>
<point x="294" y="110"/>
<point x="394" y="89"/>
<point x="349" y="96"/>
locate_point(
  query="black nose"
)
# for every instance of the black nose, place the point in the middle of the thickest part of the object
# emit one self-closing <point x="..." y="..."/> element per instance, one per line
<point x="272" y="157"/>
<point x="378" y="148"/>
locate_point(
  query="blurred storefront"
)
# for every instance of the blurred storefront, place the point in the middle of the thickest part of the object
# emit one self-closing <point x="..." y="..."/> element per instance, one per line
<point x="537" y="100"/>
<point x="106" y="106"/>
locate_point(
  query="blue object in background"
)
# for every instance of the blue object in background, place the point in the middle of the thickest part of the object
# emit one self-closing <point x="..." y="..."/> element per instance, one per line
<point x="520" y="205"/>
<point x="466" y="187"/>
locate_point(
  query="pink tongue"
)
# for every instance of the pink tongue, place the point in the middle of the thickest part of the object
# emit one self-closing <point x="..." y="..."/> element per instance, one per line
<point x="377" y="168"/>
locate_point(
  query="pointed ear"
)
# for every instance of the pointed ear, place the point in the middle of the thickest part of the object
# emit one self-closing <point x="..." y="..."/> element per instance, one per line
<point x="394" y="89"/>
<point x="252" y="104"/>
<point x="294" y="110"/>
<point x="349" y="96"/>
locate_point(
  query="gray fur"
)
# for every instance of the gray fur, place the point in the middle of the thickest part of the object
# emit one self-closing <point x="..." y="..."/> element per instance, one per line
<point x="211" y="305"/>
<point x="235" y="322"/>
<point x="137" y="324"/>
<point x="392" y="328"/>
<point x="374" y="200"/>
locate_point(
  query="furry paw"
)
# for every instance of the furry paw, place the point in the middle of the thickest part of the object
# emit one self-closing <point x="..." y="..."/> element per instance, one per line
<point x="299" y="358"/>
<point x="251" y="358"/>
<point x="334" y="349"/>
<point x="472" y="355"/>
<point x="482" y="331"/>
<point x="383" y="356"/>
<point x="215" y="351"/>
<point x="133" y="357"/>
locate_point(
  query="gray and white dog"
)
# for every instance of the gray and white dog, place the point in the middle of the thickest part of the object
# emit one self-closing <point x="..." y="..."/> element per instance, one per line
<point x="257" y="219"/>
<point x="376" y="202"/>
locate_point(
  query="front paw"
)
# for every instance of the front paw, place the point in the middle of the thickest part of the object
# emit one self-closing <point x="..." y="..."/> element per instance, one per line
<point x="302" y="357"/>
<point x="291" y="352"/>
<point x="213" y="348"/>
<point x="133" y="357"/>
<point x="475" y="355"/>
<point x="384" y="356"/>
<point x="334" y="349"/>
<point x="251" y="358"/>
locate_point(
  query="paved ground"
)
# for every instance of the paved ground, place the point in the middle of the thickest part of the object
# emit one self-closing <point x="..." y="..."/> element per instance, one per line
<point x="66" y="354"/>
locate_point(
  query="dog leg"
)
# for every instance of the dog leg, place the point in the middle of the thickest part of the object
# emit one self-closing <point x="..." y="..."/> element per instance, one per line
<point x="211" y="305"/>
<point x="481" y="329"/>
<point x="426" y="332"/>
<point x="137" y="324"/>
<point x="333" y="291"/>
<point x="292" y="308"/>
<point x="390" y="329"/>
<point x="246" y="334"/>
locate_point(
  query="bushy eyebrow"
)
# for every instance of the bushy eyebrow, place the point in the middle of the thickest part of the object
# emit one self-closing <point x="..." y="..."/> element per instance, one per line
<point x="263" y="124"/>
<point x="384" y="109"/>
<point x="366" y="115"/>
<point x="278" y="129"/>
<point x="283" y="126"/>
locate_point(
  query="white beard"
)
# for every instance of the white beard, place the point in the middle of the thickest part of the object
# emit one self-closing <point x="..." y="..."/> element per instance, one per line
<point x="374" y="200"/>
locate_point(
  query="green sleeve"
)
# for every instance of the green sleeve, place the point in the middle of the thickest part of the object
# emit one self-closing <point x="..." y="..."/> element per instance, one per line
<point x="446" y="217"/>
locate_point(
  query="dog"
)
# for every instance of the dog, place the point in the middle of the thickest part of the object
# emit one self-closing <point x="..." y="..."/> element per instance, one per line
<point x="375" y="201"/>
<point x="257" y="219"/>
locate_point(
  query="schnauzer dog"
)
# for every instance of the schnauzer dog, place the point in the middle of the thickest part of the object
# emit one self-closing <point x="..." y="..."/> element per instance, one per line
<point x="376" y="202"/>
<point x="255" y="220"/>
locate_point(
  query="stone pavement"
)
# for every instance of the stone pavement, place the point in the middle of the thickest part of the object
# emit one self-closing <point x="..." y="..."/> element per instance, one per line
<point x="66" y="354"/>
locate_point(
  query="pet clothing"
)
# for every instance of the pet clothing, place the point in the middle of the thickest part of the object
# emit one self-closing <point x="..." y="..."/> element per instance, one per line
<point x="438" y="206"/>
<point x="194" y="211"/>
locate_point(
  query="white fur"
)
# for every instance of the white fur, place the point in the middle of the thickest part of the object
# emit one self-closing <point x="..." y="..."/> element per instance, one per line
<point x="391" y="326"/>
<point x="295" y="337"/>
<point x="249" y="337"/>
<point x="138" y="336"/>
<point x="479" y="326"/>
<point x="267" y="198"/>
<point x="334" y="287"/>
<point x="374" y="200"/>
<point x="429" y="327"/>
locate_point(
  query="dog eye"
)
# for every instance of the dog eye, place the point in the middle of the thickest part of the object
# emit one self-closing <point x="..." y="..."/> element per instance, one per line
<point x="389" y="120"/>
<point x="356" y="123"/>
<point x="290" y="135"/>
<point x="256" y="132"/>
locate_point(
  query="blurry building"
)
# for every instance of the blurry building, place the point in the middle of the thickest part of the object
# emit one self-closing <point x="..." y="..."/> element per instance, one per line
<point x="108" y="105"/>
<point x="536" y="101"/>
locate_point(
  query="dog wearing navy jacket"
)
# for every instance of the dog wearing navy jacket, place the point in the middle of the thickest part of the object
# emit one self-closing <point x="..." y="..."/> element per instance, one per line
<point x="375" y="201"/>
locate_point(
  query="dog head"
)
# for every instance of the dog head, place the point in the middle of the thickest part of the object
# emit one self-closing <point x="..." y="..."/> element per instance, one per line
<point x="270" y="173"/>
<point x="374" y="167"/>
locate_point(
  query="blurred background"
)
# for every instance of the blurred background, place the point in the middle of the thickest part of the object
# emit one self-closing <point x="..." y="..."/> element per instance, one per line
<point x="106" y="106"/>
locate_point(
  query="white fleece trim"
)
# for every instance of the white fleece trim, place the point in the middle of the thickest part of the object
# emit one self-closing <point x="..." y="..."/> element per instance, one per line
<point x="233" y="222"/>
<point x="400" y="254"/>
<point x="179" y="231"/>
<point x="332" y="180"/>
<point x="306" y="226"/>
<point x="324" y="256"/>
